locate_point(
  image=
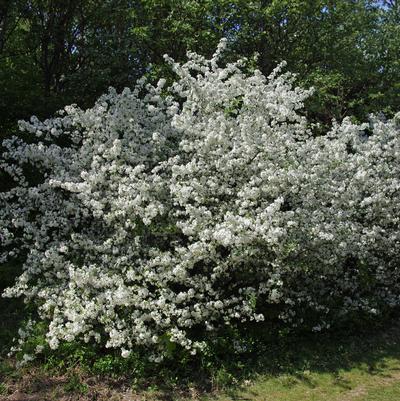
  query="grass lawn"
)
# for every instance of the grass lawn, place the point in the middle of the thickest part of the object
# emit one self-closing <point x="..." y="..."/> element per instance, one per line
<point x="359" y="367"/>
<point x="342" y="366"/>
<point x="362" y="368"/>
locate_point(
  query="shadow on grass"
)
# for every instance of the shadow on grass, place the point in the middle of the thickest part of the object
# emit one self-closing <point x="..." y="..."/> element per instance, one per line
<point x="296" y="359"/>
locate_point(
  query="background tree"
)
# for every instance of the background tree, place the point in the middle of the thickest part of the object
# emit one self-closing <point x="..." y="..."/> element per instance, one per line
<point x="53" y="53"/>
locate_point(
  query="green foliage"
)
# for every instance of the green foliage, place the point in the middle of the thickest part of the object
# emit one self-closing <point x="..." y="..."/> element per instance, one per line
<point x="116" y="366"/>
<point x="288" y="365"/>
<point x="3" y="389"/>
<point x="75" y="385"/>
<point x="330" y="367"/>
<point x="13" y="311"/>
<point x="55" y="53"/>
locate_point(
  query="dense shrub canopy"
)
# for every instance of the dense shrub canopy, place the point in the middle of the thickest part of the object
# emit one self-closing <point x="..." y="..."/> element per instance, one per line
<point x="164" y="213"/>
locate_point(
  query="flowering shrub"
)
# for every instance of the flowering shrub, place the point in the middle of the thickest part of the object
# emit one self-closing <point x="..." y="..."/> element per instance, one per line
<point x="164" y="213"/>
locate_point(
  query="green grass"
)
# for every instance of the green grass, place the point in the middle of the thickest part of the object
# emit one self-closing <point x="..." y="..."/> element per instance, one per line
<point x="362" y="367"/>
<point x="354" y="384"/>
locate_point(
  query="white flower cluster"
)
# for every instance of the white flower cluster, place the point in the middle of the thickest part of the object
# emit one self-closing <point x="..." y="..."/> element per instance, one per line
<point x="163" y="213"/>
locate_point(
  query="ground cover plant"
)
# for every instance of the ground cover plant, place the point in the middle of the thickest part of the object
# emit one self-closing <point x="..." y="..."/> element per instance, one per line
<point x="169" y="214"/>
<point x="359" y="365"/>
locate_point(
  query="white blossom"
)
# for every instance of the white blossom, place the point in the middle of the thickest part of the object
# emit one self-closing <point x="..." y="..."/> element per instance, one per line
<point x="171" y="210"/>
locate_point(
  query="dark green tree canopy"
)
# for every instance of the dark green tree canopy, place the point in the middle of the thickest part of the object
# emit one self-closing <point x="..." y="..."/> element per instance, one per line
<point x="56" y="52"/>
